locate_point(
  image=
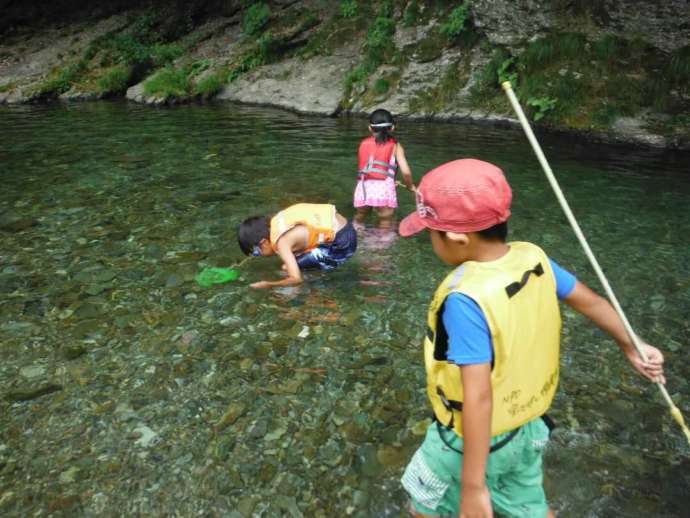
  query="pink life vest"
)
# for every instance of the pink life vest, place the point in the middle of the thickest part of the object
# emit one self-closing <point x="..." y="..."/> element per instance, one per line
<point x="376" y="161"/>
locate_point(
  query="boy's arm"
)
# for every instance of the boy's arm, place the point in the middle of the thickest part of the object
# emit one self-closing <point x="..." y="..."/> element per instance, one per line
<point x="404" y="166"/>
<point x="294" y="275"/>
<point x="476" y="428"/>
<point x="596" y="308"/>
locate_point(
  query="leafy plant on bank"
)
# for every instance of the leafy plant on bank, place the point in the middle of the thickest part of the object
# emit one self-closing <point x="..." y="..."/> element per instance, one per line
<point x="541" y="105"/>
<point x="114" y="81"/>
<point x="411" y="14"/>
<point x="61" y="80"/>
<point x="211" y="84"/>
<point x="376" y="49"/>
<point x="168" y="82"/>
<point x="506" y="72"/>
<point x="255" y="19"/>
<point x="349" y="8"/>
<point x="257" y="55"/>
<point x="456" y="21"/>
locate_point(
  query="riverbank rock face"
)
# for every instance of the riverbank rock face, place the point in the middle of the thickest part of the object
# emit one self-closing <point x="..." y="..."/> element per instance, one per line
<point x="426" y="73"/>
<point x="306" y="86"/>
<point x="666" y="25"/>
<point x="28" y="57"/>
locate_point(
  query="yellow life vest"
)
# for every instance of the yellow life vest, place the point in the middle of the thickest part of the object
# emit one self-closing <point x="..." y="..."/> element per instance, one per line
<point x="319" y="219"/>
<point x="517" y="294"/>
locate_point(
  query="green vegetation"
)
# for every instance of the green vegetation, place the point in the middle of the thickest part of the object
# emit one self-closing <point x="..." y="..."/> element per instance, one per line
<point x="114" y="81"/>
<point x="377" y="49"/>
<point x="566" y="80"/>
<point x="411" y="14"/>
<point x="381" y="86"/>
<point x="456" y="21"/>
<point x="349" y="8"/>
<point x="211" y="84"/>
<point x="115" y="60"/>
<point x="255" y="19"/>
<point x="678" y="70"/>
<point x="7" y="87"/>
<point x="542" y="106"/>
<point x="60" y="80"/>
<point x="256" y="55"/>
<point x="168" y="82"/>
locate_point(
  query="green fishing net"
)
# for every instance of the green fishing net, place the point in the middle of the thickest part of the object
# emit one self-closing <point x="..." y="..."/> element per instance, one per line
<point x="210" y="276"/>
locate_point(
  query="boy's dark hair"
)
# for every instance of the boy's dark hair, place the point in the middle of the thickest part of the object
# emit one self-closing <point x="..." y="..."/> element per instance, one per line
<point x="496" y="233"/>
<point x="251" y="231"/>
<point x="381" y="116"/>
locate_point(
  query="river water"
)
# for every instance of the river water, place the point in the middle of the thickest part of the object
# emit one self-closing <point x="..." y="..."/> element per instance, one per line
<point x="128" y="389"/>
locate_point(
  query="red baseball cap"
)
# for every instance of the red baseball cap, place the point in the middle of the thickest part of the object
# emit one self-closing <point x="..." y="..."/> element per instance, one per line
<point x="464" y="195"/>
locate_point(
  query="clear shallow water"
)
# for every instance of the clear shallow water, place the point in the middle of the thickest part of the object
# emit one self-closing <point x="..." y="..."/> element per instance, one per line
<point x="160" y="397"/>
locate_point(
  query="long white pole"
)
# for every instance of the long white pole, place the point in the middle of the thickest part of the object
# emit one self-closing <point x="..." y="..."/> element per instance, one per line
<point x="588" y="251"/>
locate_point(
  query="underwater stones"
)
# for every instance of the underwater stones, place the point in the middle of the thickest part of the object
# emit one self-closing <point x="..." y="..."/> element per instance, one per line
<point x="231" y="321"/>
<point x="95" y="275"/>
<point x="145" y="437"/>
<point x="258" y="429"/>
<point x="366" y="461"/>
<point x="246" y="505"/>
<point x="69" y="476"/>
<point x="391" y="456"/>
<point x="10" y="224"/>
<point x="234" y="411"/>
<point x="86" y="328"/>
<point x="29" y="393"/>
<point x="88" y="309"/>
<point x="32" y="372"/>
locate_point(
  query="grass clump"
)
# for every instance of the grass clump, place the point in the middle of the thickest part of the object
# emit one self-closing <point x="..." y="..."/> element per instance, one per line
<point x="258" y="54"/>
<point x="168" y="82"/>
<point x="411" y="14"/>
<point x="377" y="49"/>
<point x="61" y="80"/>
<point x="255" y="19"/>
<point x="349" y="8"/>
<point x="7" y="87"/>
<point x="563" y="79"/>
<point x="381" y="86"/>
<point x="114" y="81"/>
<point x="456" y="21"/>
<point x="211" y="84"/>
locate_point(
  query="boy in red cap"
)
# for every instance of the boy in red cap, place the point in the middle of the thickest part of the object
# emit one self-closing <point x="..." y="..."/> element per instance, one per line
<point x="492" y="350"/>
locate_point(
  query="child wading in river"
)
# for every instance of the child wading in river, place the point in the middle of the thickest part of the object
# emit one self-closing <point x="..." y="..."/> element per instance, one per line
<point x="380" y="155"/>
<point x="305" y="236"/>
<point x="492" y="350"/>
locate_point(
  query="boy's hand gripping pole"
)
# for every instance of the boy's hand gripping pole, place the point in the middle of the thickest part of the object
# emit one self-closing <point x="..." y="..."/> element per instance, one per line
<point x="583" y="242"/>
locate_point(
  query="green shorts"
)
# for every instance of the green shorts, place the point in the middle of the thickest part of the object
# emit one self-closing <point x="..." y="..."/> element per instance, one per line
<point x="513" y="473"/>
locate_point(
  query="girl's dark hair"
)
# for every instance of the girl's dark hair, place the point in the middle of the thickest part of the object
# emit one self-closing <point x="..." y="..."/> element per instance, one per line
<point x="381" y="134"/>
<point x="251" y="231"/>
<point x="496" y="233"/>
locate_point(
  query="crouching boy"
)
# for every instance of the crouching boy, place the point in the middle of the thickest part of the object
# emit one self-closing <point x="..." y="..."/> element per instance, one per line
<point x="305" y="236"/>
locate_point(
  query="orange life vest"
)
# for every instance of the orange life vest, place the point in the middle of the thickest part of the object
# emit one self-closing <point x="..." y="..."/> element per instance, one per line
<point x="319" y="219"/>
<point x="377" y="161"/>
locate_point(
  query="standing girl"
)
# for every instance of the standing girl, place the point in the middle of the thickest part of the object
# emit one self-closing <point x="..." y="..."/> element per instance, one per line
<point x="380" y="155"/>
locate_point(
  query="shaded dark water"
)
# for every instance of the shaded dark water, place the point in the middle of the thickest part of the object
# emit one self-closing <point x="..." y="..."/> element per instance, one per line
<point x="128" y="389"/>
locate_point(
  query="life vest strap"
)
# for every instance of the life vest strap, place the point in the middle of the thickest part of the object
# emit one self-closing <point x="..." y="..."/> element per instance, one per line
<point x="385" y="172"/>
<point x="513" y="288"/>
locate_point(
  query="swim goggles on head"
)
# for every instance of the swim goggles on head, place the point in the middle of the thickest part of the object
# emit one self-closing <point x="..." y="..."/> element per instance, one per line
<point x="256" y="251"/>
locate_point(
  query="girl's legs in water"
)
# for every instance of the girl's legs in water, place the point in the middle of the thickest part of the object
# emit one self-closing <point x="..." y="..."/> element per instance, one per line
<point x="385" y="216"/>
<point x="362" y="213"/>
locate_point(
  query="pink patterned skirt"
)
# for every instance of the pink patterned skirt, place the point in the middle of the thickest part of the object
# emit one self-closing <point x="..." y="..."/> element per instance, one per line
<point x="376" y="193"/>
